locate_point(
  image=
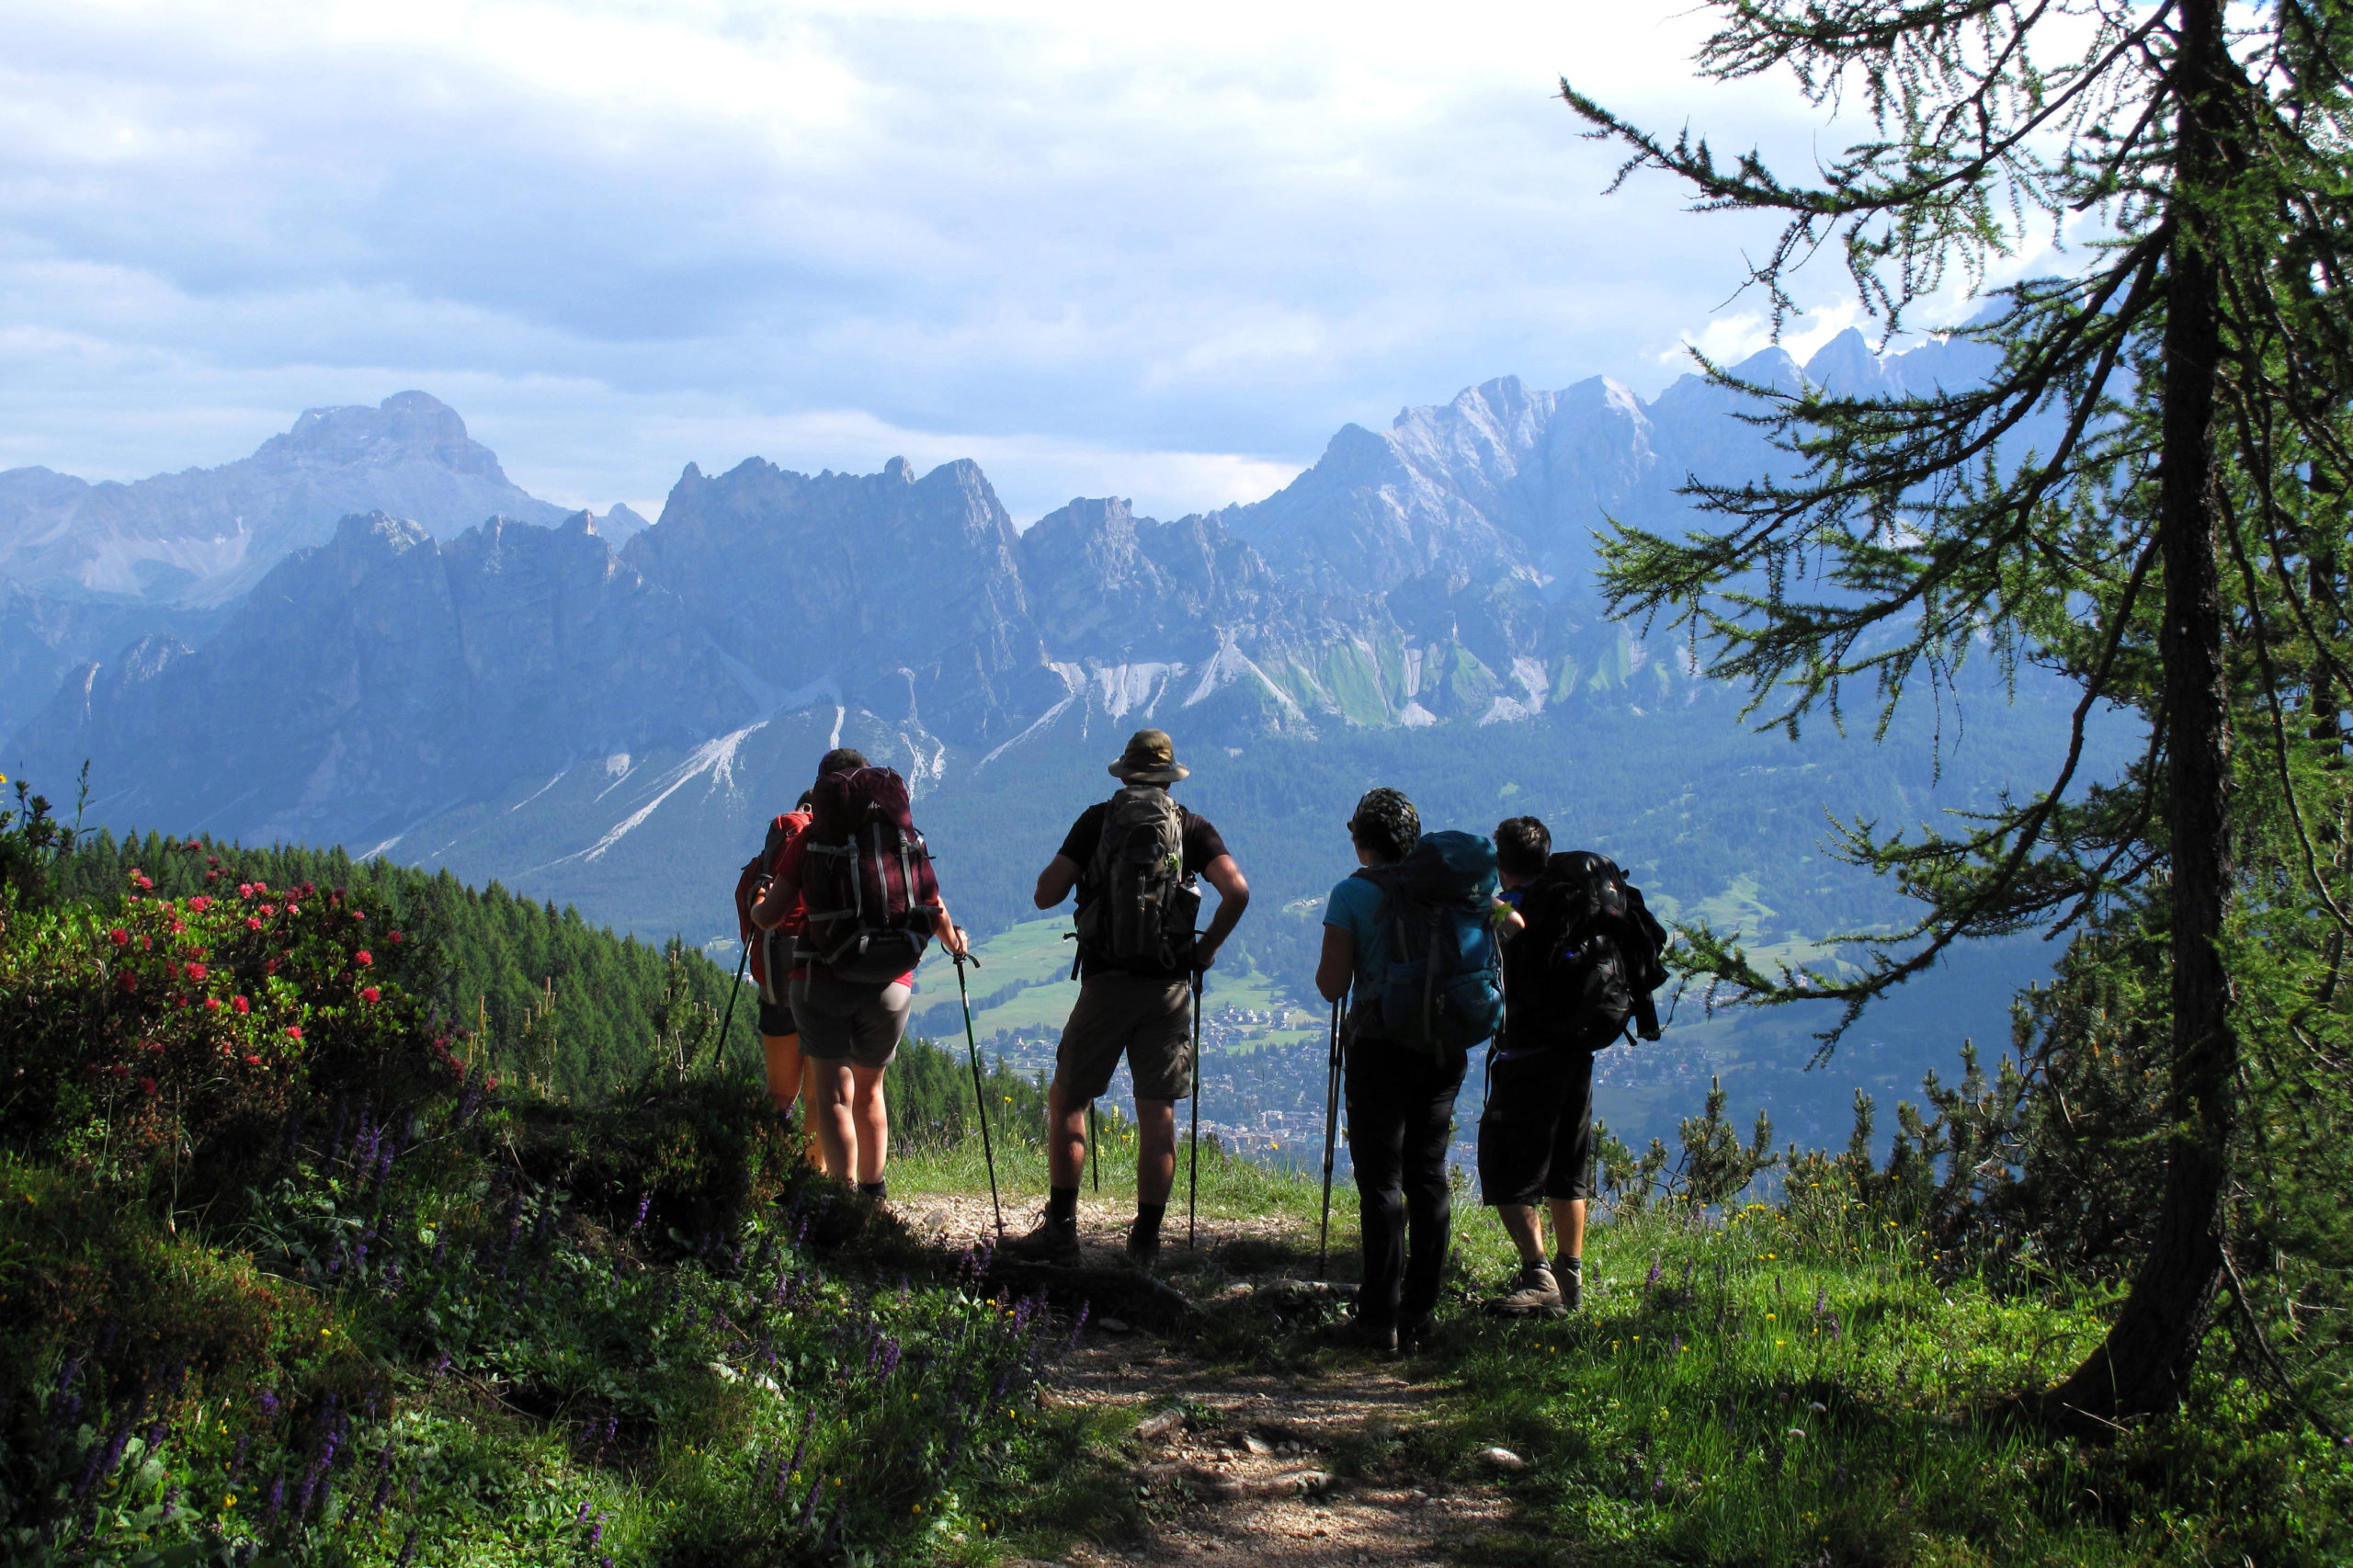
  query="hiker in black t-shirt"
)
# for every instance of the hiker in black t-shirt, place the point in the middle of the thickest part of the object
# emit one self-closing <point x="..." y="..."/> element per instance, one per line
<point x="1133" y="859"/>
<point x="1536" y="1134"/>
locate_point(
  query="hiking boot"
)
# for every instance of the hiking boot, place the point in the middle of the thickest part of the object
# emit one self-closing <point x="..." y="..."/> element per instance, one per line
<point x="1053" y="1241"/>
<point x="1378" y="1339"/>
<point x="1531" y="1293"/>
<point x="1143" y="1246"/>
<point x="1416" y="1334"/>
<point x="1570" y="1272"/>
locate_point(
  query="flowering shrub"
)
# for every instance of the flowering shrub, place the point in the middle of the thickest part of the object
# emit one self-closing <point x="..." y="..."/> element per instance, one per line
<point x="183" y="1027"/>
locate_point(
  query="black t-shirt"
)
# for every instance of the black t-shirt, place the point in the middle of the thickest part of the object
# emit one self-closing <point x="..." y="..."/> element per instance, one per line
<point x="1202" y="845"/>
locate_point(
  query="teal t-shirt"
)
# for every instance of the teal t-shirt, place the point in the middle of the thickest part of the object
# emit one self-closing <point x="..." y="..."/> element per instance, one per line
<point x="1355" y="907"/>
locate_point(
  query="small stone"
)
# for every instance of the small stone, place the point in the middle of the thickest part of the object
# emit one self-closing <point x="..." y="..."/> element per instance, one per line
<point x="1113" y="1326"/>
<point x="1257" y="1445"/>
<point x="935" y="1220"/>
<point x="1502" y="1458"/>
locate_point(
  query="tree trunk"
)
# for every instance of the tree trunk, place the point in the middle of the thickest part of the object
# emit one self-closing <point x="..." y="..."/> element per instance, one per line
<point x="2140" y="1369"/>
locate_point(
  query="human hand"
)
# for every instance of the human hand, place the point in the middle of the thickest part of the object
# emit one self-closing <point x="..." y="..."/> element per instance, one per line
<point x="1204" y="955"/>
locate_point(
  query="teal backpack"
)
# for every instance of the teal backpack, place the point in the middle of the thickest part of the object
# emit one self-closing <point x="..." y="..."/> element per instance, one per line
<point x="1441" y="991"/>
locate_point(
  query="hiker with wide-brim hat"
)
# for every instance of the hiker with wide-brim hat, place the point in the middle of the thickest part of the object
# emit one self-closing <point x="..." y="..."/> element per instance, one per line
<point x="1133" y="860"/>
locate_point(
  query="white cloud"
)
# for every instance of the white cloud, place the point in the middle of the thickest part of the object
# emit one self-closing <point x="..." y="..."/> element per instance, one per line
<point x="1155" y="251"/>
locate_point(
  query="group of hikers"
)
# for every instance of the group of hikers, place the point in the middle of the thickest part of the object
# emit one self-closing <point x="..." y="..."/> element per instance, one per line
<point x="1436" y="943"/>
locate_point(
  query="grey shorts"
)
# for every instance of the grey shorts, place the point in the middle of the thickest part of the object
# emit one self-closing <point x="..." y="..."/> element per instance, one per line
<point x="860" y="1024"/>
<point x="1149" y="1020"/>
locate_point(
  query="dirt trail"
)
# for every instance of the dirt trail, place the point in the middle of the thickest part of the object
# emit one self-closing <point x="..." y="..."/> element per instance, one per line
<point x="1275" y="1468"/>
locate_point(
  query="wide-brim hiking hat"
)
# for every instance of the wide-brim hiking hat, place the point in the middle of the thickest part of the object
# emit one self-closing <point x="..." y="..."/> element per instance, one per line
<point x="1150" y="758"/>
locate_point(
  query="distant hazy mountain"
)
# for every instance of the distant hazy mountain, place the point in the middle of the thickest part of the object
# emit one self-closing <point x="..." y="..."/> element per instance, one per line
<point x="205" y="536"/>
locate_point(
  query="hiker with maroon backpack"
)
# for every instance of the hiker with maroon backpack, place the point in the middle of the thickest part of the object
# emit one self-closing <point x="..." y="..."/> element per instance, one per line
<point x="1407" y="944"/>
<point x="1133" y="860"/>
<point x="861" y="879"/>
<point x="1581" y="957"/>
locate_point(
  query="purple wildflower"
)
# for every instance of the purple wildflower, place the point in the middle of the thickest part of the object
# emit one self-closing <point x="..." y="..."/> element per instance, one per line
<point x="270" y="1404"/>
<point x="277" y="1498"/>
<point x="1657" y="1271"/>
<point x="581" y="1517"/>
<point x="644" y="1202"/>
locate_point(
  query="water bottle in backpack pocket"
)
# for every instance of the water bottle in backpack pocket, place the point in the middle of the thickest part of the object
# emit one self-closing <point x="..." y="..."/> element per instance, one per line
<point x="1440" y="991"/>
<point x="869" y="883"/>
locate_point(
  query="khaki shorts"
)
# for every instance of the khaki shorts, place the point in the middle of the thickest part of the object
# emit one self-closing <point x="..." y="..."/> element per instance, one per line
<point x="840" y="1021"/>
<point x="1149" y="1020"/>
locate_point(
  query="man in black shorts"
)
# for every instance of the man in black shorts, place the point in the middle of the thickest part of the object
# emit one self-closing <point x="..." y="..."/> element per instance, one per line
<point x="1536" y="1135"/>
<point x="1138" y="1006"/>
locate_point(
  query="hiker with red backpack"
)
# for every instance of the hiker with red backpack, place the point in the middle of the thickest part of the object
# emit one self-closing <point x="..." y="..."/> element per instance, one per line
<point x="769" y="955"/>
<point x="1133" y="860"/>
<point x="1407" y="941"/>
<point x="1581" y="957"/>
<point x="861" y="877"/>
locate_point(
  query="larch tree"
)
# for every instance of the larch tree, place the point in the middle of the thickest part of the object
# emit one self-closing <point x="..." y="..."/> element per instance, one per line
<point x="2145" y="495"/>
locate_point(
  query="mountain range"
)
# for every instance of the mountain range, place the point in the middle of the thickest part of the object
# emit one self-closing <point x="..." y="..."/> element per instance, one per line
<point x="366" y="634"/>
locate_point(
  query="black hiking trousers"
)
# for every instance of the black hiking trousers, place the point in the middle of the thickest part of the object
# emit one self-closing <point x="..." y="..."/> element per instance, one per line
<point x="1401" y="1119"/>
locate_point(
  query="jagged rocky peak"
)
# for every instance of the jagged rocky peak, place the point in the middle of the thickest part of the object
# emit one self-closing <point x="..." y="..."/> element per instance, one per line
<point x="899" y="591"/>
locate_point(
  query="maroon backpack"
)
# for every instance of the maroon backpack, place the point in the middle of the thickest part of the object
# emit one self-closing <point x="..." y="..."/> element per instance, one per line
<point x="868" y="884"/>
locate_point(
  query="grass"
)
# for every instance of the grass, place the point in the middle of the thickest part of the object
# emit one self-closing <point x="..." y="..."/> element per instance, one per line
<point x="1812" y="1383"/>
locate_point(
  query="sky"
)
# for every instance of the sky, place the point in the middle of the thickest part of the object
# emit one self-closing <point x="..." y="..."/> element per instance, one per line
<point x="1157" y="251"/>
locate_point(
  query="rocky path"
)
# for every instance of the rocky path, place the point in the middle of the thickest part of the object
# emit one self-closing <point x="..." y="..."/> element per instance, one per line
<point x="1305" y="1468"/>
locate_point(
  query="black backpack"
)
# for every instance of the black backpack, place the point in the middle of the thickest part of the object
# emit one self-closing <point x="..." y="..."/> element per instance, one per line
<point x="1592" y="952"/>
<point x="1136" y="905"/>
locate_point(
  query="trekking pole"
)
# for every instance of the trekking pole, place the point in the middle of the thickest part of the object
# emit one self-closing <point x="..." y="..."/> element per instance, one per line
<point x="1193" y="1181"/>
<point x="719" y="1047"/>
<point x="979" y="1096"/>
<point x="1331" y="1127"/>
<point x="1095" y="1147"/>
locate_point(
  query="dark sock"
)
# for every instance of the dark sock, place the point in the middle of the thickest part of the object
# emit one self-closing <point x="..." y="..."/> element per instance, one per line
<point x="877" y="1190"/>
<point x="1569" y="1264"/>
<point x="1148" y="1218"/>
<point x="1061" y="1204"/>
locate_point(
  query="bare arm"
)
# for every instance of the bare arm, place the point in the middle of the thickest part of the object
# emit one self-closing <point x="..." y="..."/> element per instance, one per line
<point x="1055" y="881"/>
<point x="950" y="935"/>
<point x="1233" y="898"/>
<point x="1337" y="965"/>
<point x="774" y="904"/>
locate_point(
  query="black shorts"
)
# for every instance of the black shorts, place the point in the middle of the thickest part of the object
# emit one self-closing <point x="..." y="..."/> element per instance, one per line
<point x="775" y="1019"/>
<point x="1536" y="1135"/>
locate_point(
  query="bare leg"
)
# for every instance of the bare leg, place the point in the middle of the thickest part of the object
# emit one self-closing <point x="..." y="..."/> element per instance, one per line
<point x="783" y="1051"/>
<point x="1065" y="1135"/>
<point x="832" y="1115"/>
<point x="1156" y="1151"/>
<point x="1525" y="1230"/>
<point x="812" y="1149"/>
<point x="1568" y="1224"/>
<point x="870" y="1110"/>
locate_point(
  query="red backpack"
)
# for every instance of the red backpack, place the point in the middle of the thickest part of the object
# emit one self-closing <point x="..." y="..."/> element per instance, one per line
<point x="867" y="884"/>
<point x="756" y="873"/>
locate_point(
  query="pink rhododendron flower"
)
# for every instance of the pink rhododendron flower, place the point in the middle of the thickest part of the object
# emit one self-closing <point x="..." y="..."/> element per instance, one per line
<point x="251" y="924"/>
<point x="200" y="903"/>
<point x="126" y="980"/>
<point x="252" y="1061"/>
<point x="213" y="1004"/>
<point x="196" y="972"/>
<point x="268" y="909"/>
<point x="121" y="938"/>
<point x="363" y="958"/>
<point x="145" y="884"/>
<point x="293" y="1031"/>
<point x="370" y="994"/>
<point x="393" y="937"/>
<point x="146" y="1086"/>
<point x="244" y="889"/>
<point x="239" y="1004"/>
<point x="293" y="909"/>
